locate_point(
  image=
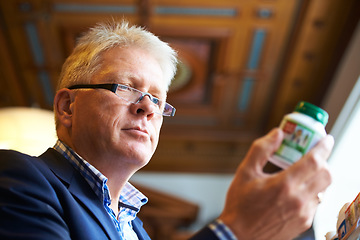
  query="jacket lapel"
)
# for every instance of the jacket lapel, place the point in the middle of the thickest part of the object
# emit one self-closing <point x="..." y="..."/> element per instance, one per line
<point x="80" y="189"/>
<point x="140" y="231"/>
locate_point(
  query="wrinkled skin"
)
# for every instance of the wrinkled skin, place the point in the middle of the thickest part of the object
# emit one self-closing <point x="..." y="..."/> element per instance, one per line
<point x="276" y="206"/>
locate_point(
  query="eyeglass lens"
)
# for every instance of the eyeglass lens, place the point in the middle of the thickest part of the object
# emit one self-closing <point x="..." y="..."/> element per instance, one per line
<point x="134" y="96"/>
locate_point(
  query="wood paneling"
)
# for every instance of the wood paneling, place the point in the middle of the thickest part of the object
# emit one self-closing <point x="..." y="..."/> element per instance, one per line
<point x="308" y="70"/>
<point x="245" y="64"/>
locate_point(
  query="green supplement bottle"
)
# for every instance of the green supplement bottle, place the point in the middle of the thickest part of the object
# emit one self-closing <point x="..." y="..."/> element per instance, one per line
<point x="303" y="128"/>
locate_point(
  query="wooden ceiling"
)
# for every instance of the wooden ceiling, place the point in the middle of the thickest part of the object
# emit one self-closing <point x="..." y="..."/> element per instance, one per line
<point x="245" y="63"/>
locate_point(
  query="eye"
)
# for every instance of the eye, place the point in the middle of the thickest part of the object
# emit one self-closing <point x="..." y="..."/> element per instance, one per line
<point x="157" y="101"/>
<point x="123" y="87"/>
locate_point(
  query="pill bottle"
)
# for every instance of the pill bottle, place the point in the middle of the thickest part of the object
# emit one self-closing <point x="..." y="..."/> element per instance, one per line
<point x="302" y="129"/>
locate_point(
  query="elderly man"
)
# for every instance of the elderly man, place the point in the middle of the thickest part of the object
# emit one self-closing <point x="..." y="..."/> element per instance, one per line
<point x="109" y="108"/>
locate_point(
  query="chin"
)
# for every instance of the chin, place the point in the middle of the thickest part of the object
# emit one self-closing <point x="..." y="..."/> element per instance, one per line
<point x="141" y="160"/>
<point x="145" y="161"/>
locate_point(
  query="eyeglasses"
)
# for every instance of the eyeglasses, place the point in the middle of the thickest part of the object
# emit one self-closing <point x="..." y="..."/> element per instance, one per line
<point x="132" y="95"/>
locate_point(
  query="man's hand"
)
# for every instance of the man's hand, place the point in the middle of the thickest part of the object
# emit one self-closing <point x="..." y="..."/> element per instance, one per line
<point x="276" y="206"/>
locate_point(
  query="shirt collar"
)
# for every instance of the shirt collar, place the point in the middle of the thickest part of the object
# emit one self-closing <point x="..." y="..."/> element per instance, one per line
<point x="130" y="198"/>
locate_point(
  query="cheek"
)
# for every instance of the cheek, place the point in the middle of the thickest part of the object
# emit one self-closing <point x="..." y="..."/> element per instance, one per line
<point x="91" y="117"/>
<point x="87" y="122"/>
<point x="157" y="126"/>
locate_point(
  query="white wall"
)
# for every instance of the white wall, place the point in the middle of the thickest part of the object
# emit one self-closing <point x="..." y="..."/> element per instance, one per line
<point x="345" y="167"/>
<point x="345" y="160"/>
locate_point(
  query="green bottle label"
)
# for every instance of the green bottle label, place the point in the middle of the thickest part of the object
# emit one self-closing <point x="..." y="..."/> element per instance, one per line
<point x="297" y="141"/>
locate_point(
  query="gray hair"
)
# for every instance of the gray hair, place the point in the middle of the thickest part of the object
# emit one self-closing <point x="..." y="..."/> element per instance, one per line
<point x="86" y="57"/>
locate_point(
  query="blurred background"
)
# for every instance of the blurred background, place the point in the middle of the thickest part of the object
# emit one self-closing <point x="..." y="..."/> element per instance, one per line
<point x="244" y="64"/>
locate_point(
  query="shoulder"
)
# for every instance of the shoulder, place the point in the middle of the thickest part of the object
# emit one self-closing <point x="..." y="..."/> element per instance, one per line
<point x="13" y="163"/>
<point x="19" y="172"/>
<point x="28" y="189"/>
<point x="27" y="177"/>
<point x="8" y="154"/>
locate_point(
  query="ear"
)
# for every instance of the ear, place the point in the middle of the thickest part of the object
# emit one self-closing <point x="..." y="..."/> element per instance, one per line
<point x="62" y="106"/>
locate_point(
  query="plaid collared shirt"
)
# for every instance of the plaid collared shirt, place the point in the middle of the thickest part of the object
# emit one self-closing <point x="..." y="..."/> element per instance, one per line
<point x="222" y="231"/>
<point x="130" y="200"/>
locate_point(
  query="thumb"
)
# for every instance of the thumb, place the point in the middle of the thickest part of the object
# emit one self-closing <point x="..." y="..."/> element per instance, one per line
<point x="262" y="149"/>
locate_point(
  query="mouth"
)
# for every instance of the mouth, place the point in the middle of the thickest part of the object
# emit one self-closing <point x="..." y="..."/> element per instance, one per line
<point x="137" y="130"/>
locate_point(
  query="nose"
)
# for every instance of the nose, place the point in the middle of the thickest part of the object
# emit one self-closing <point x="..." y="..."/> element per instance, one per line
<point x="144" y="106"/>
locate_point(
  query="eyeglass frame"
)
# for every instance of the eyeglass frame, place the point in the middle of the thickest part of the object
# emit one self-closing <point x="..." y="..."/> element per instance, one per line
<point x="113" y="88"/>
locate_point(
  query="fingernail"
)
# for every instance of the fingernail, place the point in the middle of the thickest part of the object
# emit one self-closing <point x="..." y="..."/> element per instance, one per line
<point x="329" y="140"/>
<point x="276" y="133"/>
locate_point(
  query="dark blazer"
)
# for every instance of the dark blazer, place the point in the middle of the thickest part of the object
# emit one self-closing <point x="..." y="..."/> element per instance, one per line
<point x="46" y="198"/>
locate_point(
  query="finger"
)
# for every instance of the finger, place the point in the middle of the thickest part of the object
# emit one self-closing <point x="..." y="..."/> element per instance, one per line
<point x="262" y="148"/>
<point x="319" y="183"/>
<point x="313" y="162"/>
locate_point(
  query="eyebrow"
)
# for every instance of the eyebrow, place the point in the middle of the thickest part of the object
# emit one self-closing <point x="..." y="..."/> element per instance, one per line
<point x="131" y="79"/>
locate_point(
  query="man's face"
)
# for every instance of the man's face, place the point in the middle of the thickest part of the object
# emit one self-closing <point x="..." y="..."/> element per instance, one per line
<point x="111" y="128"/>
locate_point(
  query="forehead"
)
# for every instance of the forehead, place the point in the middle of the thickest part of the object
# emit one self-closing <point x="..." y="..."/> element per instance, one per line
<point x="133" y="66"/>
